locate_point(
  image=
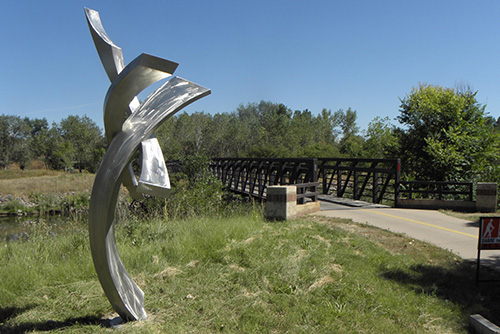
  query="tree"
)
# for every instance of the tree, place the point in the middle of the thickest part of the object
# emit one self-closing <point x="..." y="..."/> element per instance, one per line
<point x="381" y="140"/>
<point x="14" y="140"/>
<point x="58" y="153"/>
<point x="351" y="144"/>
<point x="37" y="139"/>
<point x="346" y="120"/>
<point x="319" y="134"/>
<point x="445" y="136"/>
<point x="263" y="129"/>
<point x="85" y="137"/>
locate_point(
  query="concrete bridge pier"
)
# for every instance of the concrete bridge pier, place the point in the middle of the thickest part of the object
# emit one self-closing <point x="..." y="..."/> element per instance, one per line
<point x="281" y="203"/>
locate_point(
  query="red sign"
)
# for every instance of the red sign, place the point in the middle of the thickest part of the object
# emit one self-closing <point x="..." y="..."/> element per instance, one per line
<point x="489" y="233"/>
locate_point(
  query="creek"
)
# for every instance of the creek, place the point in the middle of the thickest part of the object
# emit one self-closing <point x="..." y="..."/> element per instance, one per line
<point x="22" y="227"/>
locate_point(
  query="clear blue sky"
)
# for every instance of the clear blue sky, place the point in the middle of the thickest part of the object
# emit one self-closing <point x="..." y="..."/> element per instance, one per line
<point x="305" y="54"/>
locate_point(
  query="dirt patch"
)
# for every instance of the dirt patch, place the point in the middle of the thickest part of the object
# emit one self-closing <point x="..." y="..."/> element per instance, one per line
<point x="320" y="282"/>
<point x="236" y="268"/>
<point x="320" y="238"/>
<point x="168" y="272"/>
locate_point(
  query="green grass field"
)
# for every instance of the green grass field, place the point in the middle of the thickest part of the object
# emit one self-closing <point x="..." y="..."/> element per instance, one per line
<point x="244" y="275"/>
<point x="236" y="274"/>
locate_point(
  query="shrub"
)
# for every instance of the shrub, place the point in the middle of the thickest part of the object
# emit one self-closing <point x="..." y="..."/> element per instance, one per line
<point x="13" y="206"/>
<point x="196" y="192"/>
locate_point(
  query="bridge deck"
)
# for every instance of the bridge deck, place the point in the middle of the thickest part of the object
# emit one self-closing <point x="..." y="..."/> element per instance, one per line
<point x="349" y="202"/>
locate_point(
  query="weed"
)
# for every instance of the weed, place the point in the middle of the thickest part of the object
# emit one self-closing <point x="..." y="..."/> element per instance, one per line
<point x="13" y="206"/>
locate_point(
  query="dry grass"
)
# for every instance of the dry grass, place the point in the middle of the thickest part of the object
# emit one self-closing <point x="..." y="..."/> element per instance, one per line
<point x="25" y="183"/>
<point x="16" y="173"/>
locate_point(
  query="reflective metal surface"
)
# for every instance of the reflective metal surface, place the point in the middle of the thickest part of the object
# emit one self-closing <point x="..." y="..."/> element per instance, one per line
<point x="126" y="84"/>
<point x="155" y="184"/>
<point x="110" y="54"/>
<point x="129" y="126"/>
<point x="139" y="74"/>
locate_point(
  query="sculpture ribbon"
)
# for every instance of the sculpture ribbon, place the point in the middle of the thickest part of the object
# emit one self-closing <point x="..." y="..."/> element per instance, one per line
<point x="129" y="126"/>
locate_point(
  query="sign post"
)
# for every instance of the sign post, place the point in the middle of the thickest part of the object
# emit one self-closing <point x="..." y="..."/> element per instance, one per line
<point x="489" y="237"/>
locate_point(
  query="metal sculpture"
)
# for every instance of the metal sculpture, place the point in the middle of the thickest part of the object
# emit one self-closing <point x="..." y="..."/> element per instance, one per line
<point x="129" y="127"/>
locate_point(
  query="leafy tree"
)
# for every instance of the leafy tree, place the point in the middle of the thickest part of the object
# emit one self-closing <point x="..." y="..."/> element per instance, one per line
<point x="96" y="157"/>
<point x="224" y="130"/>
<point x="494" y="123"/>
<point x="324" y="127"/>
<point x="445" y="136"/>
<point x="346" y="120"/>
<point x="85" y="137"/>
<point x="263" y="129"/>
<point x="381" y="140"/>
<point x="167" y="138"/>
<point x="39" y="130"/>
<point x="275" y="122"/>
<point x="309" y="135"/>
<point x="58" y="152"/>
<point x="14" y="136"/>
<point x="317" y="135"/>
<point x="351" y="144"/>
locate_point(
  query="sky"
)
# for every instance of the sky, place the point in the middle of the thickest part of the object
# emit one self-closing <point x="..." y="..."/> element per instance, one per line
<point x="359" y="54"/>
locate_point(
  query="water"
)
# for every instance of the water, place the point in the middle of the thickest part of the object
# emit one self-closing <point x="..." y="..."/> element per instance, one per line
<point x="21" y="228"/>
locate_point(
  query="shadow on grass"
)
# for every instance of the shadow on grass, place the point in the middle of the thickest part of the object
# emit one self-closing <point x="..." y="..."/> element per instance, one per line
<point x="457" y="284"/>
<point x="8" y="312"/>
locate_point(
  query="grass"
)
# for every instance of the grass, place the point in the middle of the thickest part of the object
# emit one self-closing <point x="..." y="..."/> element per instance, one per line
<point x="474" y="217"/>
<point x="244" y="275"/>
<point x="17" y="173"/>
<point x="43" y="191"/>
<point x="25" y="183"/>
<point x="239" y="274"/>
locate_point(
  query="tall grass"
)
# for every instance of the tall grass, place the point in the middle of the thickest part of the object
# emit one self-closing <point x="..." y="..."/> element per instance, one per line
<point x="17" y="173"/>
<point x="209" y="263"/>
<point x="45" y="272"/>
<point x="243" y="274"/>
<point x="25" y="184"/>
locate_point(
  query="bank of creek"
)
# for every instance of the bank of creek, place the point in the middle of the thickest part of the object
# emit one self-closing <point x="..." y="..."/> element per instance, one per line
<point x="47" y="214"/>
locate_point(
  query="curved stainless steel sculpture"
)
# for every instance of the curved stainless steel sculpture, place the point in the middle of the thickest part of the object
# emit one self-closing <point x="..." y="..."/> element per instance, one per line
<point x="129" y="126"/>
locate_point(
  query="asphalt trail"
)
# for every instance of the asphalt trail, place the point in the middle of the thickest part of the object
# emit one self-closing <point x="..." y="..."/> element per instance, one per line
<point x="457" y="235"/>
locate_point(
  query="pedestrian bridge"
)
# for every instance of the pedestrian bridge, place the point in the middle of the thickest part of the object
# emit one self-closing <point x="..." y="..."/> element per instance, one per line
<point x="375" y="181"/>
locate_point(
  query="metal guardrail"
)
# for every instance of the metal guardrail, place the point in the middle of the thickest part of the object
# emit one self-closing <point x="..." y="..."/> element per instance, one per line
<point x="307" y="190"/>
<point x="251" y="176"/>
<point x="373" y="180"/>
<point x="462" y="191"/>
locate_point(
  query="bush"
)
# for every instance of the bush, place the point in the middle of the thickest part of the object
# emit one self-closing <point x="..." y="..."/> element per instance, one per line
<point x="44" y="203"/>
<point x="195" y="192"/>
<point x="13" y="206"/>
<point x="75" y="202"/>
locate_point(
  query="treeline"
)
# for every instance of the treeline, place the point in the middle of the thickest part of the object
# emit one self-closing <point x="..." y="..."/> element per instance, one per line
<point x="268" y="129"/>
<point x="75" y="142"/>
<point x="443" y="135"/>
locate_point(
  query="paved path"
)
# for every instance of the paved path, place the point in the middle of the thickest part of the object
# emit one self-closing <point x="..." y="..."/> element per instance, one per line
<point x="458" y="235"/>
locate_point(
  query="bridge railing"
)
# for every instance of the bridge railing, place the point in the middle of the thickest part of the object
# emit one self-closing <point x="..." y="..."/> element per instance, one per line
<point x="307" y="190"/>
<point x="251" y="176"/>
<point x="457" y="191"/>
<point x="372" y="180"/>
